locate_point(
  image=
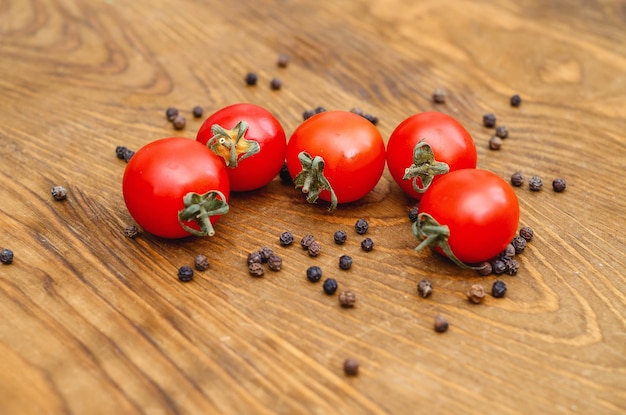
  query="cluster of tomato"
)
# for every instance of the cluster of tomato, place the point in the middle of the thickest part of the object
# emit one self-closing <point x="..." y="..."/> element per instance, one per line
<point x="174" y="186"/>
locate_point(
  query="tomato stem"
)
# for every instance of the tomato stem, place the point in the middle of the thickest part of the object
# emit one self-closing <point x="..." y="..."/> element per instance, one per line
<point x="231" y="145"/>
<point x="312" y="181"/>
<point x="200" y="208"/>
<point x="424" y="167"/>
<point x="432" y="234"/>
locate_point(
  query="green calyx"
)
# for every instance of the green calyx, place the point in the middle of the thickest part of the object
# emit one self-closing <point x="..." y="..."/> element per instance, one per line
<point x="232" y="145"/>
<point x="434" y="235"/>
<point x="312" y="181"/>
<point x="424" y="167"/>
<point x="200" y="208"/>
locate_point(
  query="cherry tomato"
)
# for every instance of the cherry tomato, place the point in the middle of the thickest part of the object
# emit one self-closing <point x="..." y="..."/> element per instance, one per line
<point x="470" y="214"/>
<point x="174" y="187"/>
<point x="251" y="141"/>
<point x="338" y="156"/>
<point x="426" y="145"/>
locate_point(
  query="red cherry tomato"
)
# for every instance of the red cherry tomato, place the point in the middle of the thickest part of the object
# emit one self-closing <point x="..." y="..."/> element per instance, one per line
<point x="174" y="187"/>
<point x="338" y="156"/>
<point x="470" y="214"/>
<point x="419" y="146"/>
<point x="250" y="140"/>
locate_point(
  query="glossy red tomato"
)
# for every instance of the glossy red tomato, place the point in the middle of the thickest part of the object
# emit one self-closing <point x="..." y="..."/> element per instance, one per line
<point x="443" y="140"/>
<point x="251" y="141"/>
<point x="337" y="156"/>
<point x="174" y="187"/>
<point x="473" y="211"/>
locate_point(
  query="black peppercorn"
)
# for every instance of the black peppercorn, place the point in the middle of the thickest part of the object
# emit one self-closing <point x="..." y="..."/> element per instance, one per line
<point x="254" y="257"/>
<point x="256" y="269"/>
<point x="286" y="238"/>
<point x="6" y="256"/>
<point x="306" y="241"/>
<point x="347" y="299"/>
<point x="59" y="193"/>
<point x="251" y="78"/>
<point x="527" y="233"/>
<point x="274" y="262"/>
<point x="340" y="237"/>
<point x="371" y="118"/>
<point x="179" y="122"/>
<point x="516" y="100"/>
<point x="320" y="109"/>
<point x="345" y="262"/>
<point x="330" y="286"/>
<point x="509" y="251"/>
<point x="315" y="248"/>
<point x="131" y="231"/>
<point x="361" y="226"/>
<point x="476" y="293"/>
<point x="498" y="289"/>
<point x="283" y="60"/>
<point x="285" y="176"/>
<point x="498" y="266"/>
<point x="197" y="111"/>
<point x="412" y="213"/>
<point x="120" y="152"/>
<point x="367" y="244"/>
<point x="511" y="266"/>
<point x="314" y="273"/>
<point x="201" y="262"/>
<point x="425" y="288"/>
<point x="439" y="96"/>
<point x="489" y="120"/>
<point x="441" y="324"/>
<point x="357" y="111"/>
<point x="558" y="185"/>
<point x="517" y="179"/>
<point x="171" y="113"/>
<point x="307" y="114"/>
<point x="185" y="273"/>
<point x="485" y="268"/>
<point x="519" y="243"/>
<point x="265" y="252"/>
<point x="351" y="367"/>
<point x="502" y="131"/>
<point x="535" y="183"/>
<point x="495" y="143"/>
<point x="128" y="154"/>
<point x="276" y="83"/>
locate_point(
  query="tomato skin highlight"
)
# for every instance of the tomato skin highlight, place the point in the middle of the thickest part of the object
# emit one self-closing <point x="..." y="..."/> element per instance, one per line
<point x="450" y="142"/>
<point x="264" y="128"/>
<point x="480" y="209"/>
<point x="351" y="146"/>
<point x="161" y="173"/>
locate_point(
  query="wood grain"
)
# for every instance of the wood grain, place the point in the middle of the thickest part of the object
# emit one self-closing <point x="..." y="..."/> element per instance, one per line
<point x="92" y="322"/>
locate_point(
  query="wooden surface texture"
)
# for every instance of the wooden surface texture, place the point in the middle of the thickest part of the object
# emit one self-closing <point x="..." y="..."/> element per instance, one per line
<point x="93" y="322"/>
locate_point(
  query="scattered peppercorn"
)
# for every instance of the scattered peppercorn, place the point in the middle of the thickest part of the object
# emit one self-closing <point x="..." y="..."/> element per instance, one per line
<point x="330" y="286"/>
<point x="251" y="78"/>
<point x="371" y="118"/>
<point x="476" y="293"/>
<point x="171" y="113"/>
<point x="535" y="183"/>
<point x="527" y="233"/>
<point x="357" y="111"/>
<point x="441" y="324"/>
<point x="131" y="231"/>
<point x="485" y="268"/>
<point x="517" y="179"/>
<point x="351" y="367"/>
<point x="509" y="251"/>
<point x="495" y="143"/>
<point x="489" y="120"/>
<point x="274" y="262"/>
<point x="361" y="226"/>
<point x="124" y="153"/>
<point x="425" y="288"/>
<point x="185" y="273"/>
<point x="307" y="114"/>
<point x="128" y="154"/>
<point x="439" y="96"/>
<point x="502" y="131"/>
<point x="519" y="243"/>
<point x="276" y="84"/>
<point x="498" y="266"/>
<point x="285" y="176"/>
<point x="516" y="100"/>
<point x="511" y="266"/>
<point x="286" y="238"/>
<point x="201" y="262"/>
<point x="265" y="252"/>
<point x="315" y="248"/>
<point x="367" y="244"/>
<point x="314" y="273"/>
<point x="345" y="262"/>
<point x="179" y="122"/>
<point x="340" y="237"/>
<point x="283" y="60"/>
<point x="197" y="111"/>
<point x="59" y="193"/>
<point x="558" y="185"/>
<point x="6" y="256"/>
<point x="498" y="289"/>
<point x="320" y="109"/>
<point x="256" y="269"/>
<point x="306" y="241"/>
<point x="254" y="257"/>
<point x="412" y="213"/>
<point x="347" y="299"/>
